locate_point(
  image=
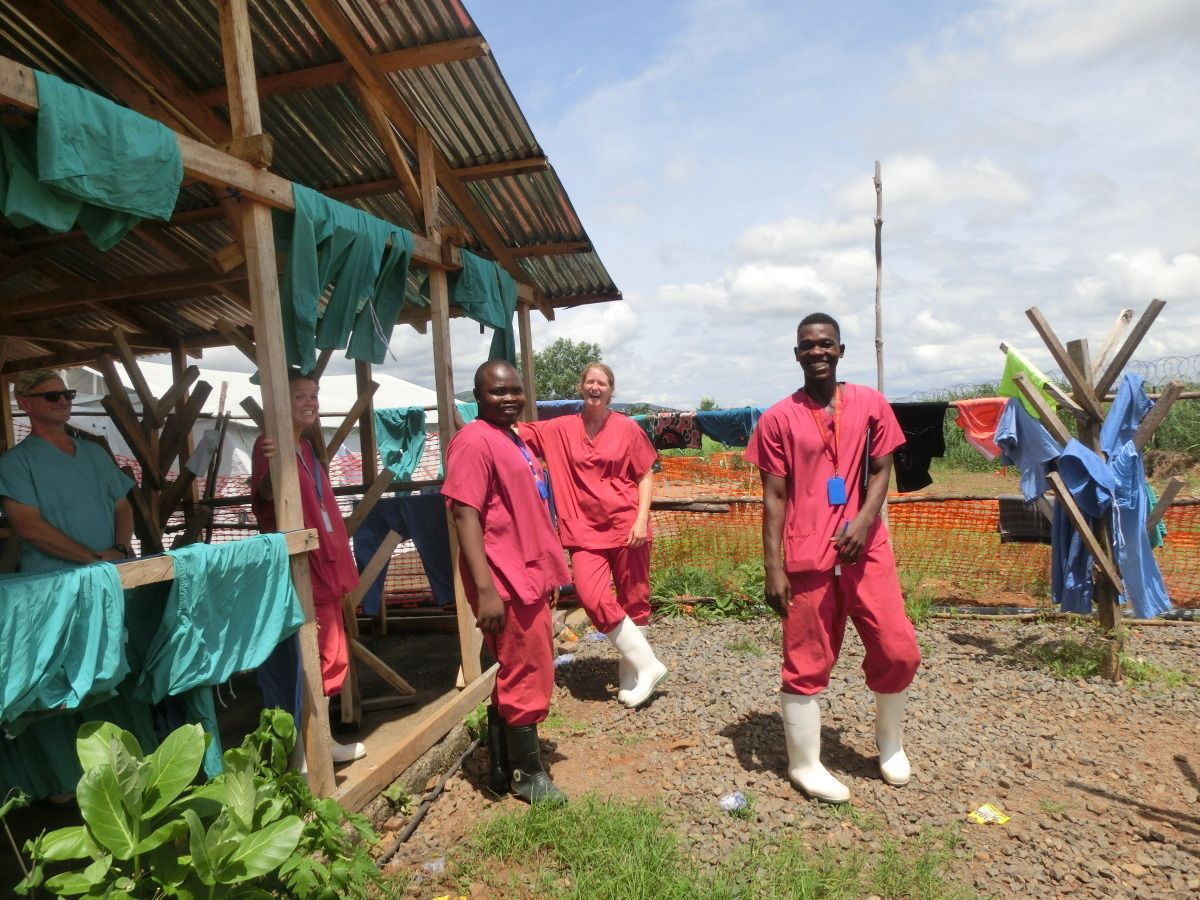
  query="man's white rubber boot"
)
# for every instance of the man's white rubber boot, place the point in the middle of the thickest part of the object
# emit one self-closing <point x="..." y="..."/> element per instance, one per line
<point x="626" y="673"/>
<point x="343" y="753"/>
<point x="889" y="737"/>
<point x="802" y="730"/>
<point x="648" y="671"/>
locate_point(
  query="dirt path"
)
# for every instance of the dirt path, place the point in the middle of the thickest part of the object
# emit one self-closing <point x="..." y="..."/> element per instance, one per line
<point x="1101" y="781"/>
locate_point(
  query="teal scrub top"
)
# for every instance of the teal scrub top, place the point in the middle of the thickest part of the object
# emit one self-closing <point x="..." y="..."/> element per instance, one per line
<point x="76" y="494"/>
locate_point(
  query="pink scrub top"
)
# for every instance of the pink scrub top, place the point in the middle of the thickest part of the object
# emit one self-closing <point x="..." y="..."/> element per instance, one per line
<point x="595" y="480"/>
<point x="331" y="565"/>
<point x="487" y="470"/>
<point x="786" y="443"/>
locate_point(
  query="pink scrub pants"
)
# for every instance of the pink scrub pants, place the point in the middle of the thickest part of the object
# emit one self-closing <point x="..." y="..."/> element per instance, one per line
<point x="331" y="642"/>
<point x="596" y="571"/>
<point x="867" y="592"/>
<point x="524" y="650"/>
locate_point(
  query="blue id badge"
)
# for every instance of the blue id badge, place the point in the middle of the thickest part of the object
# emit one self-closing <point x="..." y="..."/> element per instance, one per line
<point x="836" y="489"/>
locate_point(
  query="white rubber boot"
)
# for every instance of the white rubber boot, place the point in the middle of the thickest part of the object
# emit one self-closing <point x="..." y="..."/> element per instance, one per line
<point x="343" y="753"/>
<point x="889" y="737"/>
<point x="626" y="673"/>
<point x="648" y="671"/>
<point x="298" y="762"/>
<point x="802" y="730"/>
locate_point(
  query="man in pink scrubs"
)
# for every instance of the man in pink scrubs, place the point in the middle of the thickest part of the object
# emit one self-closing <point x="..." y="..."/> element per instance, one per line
<point x="511" y="563"/>
<point x="813" y="449"/>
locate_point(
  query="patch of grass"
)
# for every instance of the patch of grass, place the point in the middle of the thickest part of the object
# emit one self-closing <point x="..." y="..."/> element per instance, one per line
<point x="1141" y="671"/>
<point x="605" y="849"/>
<point x="724" y="590"/>
<point x="1050" y="806"/>
<point x="918" y="598"/>
<point x="630" y="739"/>
<point x="1084" y="658"/>
<point x="848" y="812"/>
<point x="399" y="797"/>
<point x="745" y="647"/>
<point x="746" y="812"/>
<point x="556" y="721"/>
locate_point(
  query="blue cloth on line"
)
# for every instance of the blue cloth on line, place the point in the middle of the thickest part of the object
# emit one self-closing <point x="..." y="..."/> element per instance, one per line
<point x="1127" y="411"/>
<point x="1144" y="587"/>
<point x="421" y="518"/>
<point x="554" y="409"/>
<point x="1027" y="445"/>
<point x="1090" y="482"/>
<point x="731" y="427"/>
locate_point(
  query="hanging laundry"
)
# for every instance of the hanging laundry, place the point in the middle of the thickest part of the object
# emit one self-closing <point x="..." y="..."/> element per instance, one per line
<point x="1090" y="481"/>
<point x="924" y="439"/>
<point x="553" y="409"/>
<point x="675" y="431"/>
<point x="400" y="438"/>
<point x="1127" y="411"/>
<point x="1027" y="445"/>
<point x="1014" y="363"/>
<point x="422" y="519"/>
<point x="1144" y="587"/>
<point x="978" y="418"/>
<point x="1159" y="535"/>
<point x="487" y="294"/>
<point x="731" y="427"/>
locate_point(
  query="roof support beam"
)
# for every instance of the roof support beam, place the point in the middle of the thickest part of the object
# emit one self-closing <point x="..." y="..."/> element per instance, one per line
<point x="502" y="169"/>
<point x="333" y="73"/>
<point x="559" y="248"/>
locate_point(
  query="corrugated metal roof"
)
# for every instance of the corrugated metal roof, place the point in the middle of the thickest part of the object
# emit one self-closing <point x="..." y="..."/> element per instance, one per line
<point x="322" y="139"/>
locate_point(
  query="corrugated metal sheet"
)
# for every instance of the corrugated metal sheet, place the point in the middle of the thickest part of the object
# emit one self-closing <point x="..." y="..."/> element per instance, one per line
<point x="323" y="139"/>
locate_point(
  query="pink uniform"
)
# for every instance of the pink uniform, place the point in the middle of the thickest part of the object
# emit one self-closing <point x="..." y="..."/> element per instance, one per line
<point x="788" y="443"/>
<point x="331" y="566"/>
<point x="487" y="470"/>
<point x="595" y="482"/>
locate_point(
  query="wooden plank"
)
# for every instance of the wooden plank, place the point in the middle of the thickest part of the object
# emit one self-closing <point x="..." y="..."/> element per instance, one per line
<point x="1062" y="398"/>
<point x="1101" y="557"/>
<point x="366" y="424"/>
<point x="198" y="521"/>
<point x="443" y="366"/>
<point x="121" y="412"/>
<point x="1080" y="383"/>
<point x="145" y="523"/>
<point x="1053" y="423"/>
<point x="380" y="486"/>
<point x="322" y="361"/>
<point x="375" y="565"/>
<point x="237" y="338"/>
<point x="556" y="248"/>
<point x="176" y="433"/>
<point x="1154" y="418"/>
<point x="140" y="386"/>
<point x="525" y="331"/>
<point x="176" y="394"/>
<point x="255" y="412"/>
<point x="118" y="290"/>
<point x="262" y="269"/>
<point x="361" y="405"/>
<point x="1113" y="371"/>
<point x="387" y="765"/>
<point x="382" y="669"/>
<point x="153" y="569"/>
<point x="1170" y="492"/>
<point x="377" y="704"/>
<point x="173" y="495"/>
<point x="427" y="166"/>
<point x="46" y="333"/>
<point x="502" y="169"/>
<point x="390" y="142"/>
<point x="7" y="438"/>
<point x="333" y="73"/>
<point x="1124" y="317"/>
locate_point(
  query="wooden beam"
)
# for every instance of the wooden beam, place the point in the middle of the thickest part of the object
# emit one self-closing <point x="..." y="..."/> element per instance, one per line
<point x="141" y="387"/>
<point x="383" y="767"/>
<point x="322" y="362"/>
<point x="382" y="669"/>
<point x="262" y="268"/>
<point x="502" y="169"/>
<point x="1174" y="486"/>
<point x="1154" y="418"/>
<point x="176" y="394"/>
<point x="1101" y="557"/>
<point x="1052" y="422"/>
<point x="1124" y="317"/>
<point x="51" y="334"/>
<point x="255" y="412"/>
<point x="137" y="572"/>
<point x="375" y="566"/>
<point x="360" y="406"/>
<point x="390" y="142"/>
<point x="558" y="248"/>
<point x="333" y="73"/>
<point x="1130" y="344"/>
<point x="380" y="486"/>
<point x="1080" y="383"/>
<point x="176" y="433"/>
<point x="525" y="330"/>
<point x="427" y="165"/>
<point x="237" y="338"/>
<point x="117" y="289"/>
<point x="366" y="423"/>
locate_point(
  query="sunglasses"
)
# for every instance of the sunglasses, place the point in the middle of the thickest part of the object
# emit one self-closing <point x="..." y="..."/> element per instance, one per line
<point x="54" y="396"/>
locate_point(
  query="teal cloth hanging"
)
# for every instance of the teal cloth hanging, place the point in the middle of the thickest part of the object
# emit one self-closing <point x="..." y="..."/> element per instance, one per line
<point x="62" y="638"/>
<point x="487" y="294"/>
<point x="400" y="437"/>
<point x="366" y="259"/>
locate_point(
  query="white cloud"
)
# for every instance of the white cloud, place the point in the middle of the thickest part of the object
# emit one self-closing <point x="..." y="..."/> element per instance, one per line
<point x="920" y="184"/>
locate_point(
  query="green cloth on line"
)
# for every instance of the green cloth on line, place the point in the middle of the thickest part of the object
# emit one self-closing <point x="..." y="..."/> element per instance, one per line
<point x="1159" y="535"/>
<point x="487" y="294"/>
<point x="1014" y="363"/>
<point x="400" y="437"/>
<point x="62" y="638"/>
<point x="365" y="258"/>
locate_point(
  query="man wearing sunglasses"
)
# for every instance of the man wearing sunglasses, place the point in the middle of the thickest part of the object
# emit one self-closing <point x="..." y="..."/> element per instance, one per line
<point x="66" y="499"/>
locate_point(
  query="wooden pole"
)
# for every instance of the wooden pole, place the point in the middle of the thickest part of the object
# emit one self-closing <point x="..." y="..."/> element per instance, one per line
<point x="366" y="422"/>
<point x="261" y="269"/>
<point x="525" y="328"/>
<point x="878" y="279"/>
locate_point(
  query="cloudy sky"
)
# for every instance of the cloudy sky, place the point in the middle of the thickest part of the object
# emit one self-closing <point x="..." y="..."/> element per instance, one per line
<point x="720" y="153"/>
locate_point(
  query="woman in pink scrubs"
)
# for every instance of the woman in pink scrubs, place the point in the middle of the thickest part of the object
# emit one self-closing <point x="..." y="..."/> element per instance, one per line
<point x="601" y="473"/>
<point x="331" y="565"/>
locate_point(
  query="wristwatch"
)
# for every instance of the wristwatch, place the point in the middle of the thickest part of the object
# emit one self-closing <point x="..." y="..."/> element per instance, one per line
<point x="123" y="548"/>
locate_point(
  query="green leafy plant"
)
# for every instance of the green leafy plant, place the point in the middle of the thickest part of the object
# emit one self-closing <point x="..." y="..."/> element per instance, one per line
<point x="476" y="722"/>
<point x="149" y="831"/>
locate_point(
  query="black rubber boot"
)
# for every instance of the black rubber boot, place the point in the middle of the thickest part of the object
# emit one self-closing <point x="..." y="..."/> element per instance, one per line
<point x="529" y="780"/>
<point x="498" y="780"/>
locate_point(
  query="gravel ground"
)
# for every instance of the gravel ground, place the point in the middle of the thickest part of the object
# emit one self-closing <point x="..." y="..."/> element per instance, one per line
<point x="1100" y="780"/>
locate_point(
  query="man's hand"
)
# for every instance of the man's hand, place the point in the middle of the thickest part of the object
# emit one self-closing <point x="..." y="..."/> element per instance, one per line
<point x="850" y="542"/>
<point x="778" y="591"/>
<point x="490" y="617"/>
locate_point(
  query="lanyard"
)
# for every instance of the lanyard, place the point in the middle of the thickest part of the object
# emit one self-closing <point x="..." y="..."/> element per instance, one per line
<point x="823" y="429"/>
<point x="312" y="473"/>
<point x="540" y="481"/>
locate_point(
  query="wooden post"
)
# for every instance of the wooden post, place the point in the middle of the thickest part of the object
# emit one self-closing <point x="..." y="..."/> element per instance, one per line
<point x="259" y="249"/>
<point x="179" y="375"/>
<point x="470" y="639"/>
<point x="366" y="423"/>
<point x="1105" y="593"/>
<point x="878" y="279"/>
<point x="525" y="328"/>
<point x="7" y="437"/>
